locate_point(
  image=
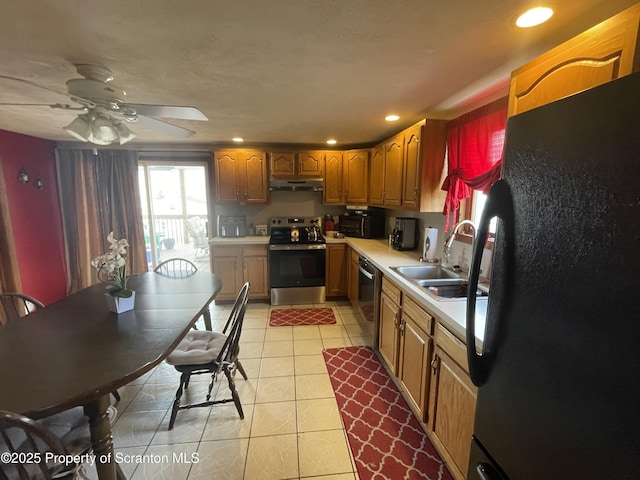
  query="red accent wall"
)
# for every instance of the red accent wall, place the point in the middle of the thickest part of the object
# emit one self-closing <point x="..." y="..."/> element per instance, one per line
<point x="35" y="215"/>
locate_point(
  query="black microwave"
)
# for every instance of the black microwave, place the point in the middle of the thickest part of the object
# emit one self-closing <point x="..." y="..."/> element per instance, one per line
<point x="362" y="226"/>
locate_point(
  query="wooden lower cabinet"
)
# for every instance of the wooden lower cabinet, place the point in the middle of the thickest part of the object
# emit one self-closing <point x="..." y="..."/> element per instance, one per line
<point x="388" y="333"/>
<point x="238" y="264"/>
<point x="416" y="349"/>
<point x="337" y="270"/>
<point x="354" y="277"/>
<point x="452" y="403"/>
<point x="430" y="365"/>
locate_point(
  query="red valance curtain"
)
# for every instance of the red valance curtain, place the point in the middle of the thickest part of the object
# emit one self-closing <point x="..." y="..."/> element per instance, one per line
<point x="474" y="148"/>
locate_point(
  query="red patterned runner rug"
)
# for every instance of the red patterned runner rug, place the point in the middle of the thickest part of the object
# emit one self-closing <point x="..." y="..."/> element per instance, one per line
<point x="301" y="316"/>
<point x="385" y="437"/>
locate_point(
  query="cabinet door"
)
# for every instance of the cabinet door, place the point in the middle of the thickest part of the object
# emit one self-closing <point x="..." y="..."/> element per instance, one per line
<point x="377" y="176"/>
<point x="283" y="164"/>
<point x="333" y="192"/>
<point x="393" y="165"/>
<point x="356" y="177"/>
<point x="311" y="164"/>
<point x="337" y="269"/>
<point x="230" y="273"/>
<point x="416" y="348"/>
<point x="353" y="283"/>
<point x="255" y="272"/>
<point x="601" y="54"/>
<point x="451" y="411"/>
<point x="228" y="176"/>
<point x="256" y="188"/>
<point x="433" y="170"/>
<point x="412" y="167"/>
<point x="388" y="336"/>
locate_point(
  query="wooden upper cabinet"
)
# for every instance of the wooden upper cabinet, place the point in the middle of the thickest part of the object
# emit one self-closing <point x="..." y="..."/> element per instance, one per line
<point x="241" y="176"/>
<point x="393" y="167"/>
<point x="297" y="164"/>
<point x="356" y="177"/>
<point x="432" y="169"/>
<point x="376" y="176"/>
<point x="283" y="164"/>
<point x="311" y="164"/>
<point x="227" y="176"/>
<point x="412" y="164"/>
<point x="333" y="191"/>
<point x="603" y="53"/>
<point x="256" y="189"/>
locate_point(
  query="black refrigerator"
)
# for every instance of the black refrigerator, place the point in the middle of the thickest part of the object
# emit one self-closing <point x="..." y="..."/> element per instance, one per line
<point x="559" y="369"/>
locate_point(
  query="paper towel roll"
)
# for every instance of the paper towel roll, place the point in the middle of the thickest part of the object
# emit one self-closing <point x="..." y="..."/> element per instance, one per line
<point x="430" y="246"/>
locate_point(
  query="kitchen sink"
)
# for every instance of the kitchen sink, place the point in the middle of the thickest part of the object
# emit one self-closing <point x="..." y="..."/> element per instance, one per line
<point x="439" y="282"/>
<point x="434" y="274"/>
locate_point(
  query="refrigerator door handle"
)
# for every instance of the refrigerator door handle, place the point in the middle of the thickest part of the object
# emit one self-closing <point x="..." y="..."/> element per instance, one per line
<point x="499" y="204"/>
<point x="487" y="472"/>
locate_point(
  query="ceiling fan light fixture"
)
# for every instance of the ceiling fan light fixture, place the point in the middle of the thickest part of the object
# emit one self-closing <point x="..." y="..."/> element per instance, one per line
<point x="80" y="128"/>
<point x="124" y="134"/>
<point x="103" y="129"/>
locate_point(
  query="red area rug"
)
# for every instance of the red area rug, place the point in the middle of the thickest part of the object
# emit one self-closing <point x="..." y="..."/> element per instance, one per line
<point x="385" y="437"/>
<point x="301" y="316"/>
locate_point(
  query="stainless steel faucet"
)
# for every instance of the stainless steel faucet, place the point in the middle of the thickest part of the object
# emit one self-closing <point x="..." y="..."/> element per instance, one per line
<point x="447" y="245"/>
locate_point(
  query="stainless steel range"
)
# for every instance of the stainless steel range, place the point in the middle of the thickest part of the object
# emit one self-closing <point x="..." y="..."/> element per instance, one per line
<point x="297" y="254"/>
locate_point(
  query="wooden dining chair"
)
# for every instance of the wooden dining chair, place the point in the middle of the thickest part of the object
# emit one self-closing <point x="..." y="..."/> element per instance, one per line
<point x="28" y="441"/>
<point x="176" y="268"/>
<point x="182" y="268"/>
<point x="17" y="305"/>
<point x="212" y="353"/>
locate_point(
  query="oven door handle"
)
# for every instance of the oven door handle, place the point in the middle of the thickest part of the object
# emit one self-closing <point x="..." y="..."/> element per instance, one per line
<point x="305" y="246"/>
<point x="369" y="275"/>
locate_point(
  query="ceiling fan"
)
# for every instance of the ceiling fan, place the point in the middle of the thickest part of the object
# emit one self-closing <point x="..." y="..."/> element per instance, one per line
<point x="104" y="112"/>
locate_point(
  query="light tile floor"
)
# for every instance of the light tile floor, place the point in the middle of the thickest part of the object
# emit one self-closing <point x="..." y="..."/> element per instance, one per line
<point x="291" y="430"/>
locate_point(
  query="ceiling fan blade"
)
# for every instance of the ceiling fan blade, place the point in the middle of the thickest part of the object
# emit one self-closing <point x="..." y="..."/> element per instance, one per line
<point x="34" y="84"/>
<point x="167" y="111"/>
<point x="163" y="127"/>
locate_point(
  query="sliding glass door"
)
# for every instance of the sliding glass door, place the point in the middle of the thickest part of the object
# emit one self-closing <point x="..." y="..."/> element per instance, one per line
<point x="175" y="211"/>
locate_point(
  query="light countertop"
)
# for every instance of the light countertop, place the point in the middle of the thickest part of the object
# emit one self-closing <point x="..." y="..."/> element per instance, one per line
<point x="452" y="313"/>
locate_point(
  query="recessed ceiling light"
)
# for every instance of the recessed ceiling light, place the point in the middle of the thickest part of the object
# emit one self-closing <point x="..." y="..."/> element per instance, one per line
<point x="332" y="141"/>
<point x="534" y="17"/>
<point x="238" y="139"/>
<point x="392" y="118"/>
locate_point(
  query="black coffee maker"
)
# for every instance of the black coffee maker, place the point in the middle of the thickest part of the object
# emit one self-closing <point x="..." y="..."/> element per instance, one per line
<point x="405" y="234"/>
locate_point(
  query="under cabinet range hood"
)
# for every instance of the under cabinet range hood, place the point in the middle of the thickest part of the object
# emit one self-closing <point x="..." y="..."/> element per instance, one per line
<point x="299" y="185"/>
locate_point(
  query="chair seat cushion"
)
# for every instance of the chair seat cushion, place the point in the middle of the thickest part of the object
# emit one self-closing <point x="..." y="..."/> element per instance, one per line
<point x="198" y="347"/>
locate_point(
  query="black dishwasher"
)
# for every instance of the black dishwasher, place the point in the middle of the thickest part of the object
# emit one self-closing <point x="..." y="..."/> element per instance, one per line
<point x="369" y="286"/>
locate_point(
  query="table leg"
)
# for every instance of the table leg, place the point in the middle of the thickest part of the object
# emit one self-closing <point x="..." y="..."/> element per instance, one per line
<point x="101" y="439"/>
<point x="207" y="318"/>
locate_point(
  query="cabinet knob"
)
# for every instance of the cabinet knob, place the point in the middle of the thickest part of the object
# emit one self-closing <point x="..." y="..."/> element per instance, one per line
<point x="434" y="364"/>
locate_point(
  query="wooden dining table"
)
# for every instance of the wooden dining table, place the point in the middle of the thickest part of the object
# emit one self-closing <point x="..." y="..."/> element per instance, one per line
<point x="75" y="352"/>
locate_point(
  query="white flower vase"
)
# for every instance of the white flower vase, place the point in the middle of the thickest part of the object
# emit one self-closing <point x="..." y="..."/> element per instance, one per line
<point x="121" y="304"/>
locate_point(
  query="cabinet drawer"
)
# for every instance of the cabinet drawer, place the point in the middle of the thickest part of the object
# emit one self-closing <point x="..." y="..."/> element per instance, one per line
<point x="254" y="251"/>
<point x="391" y="290"/>
<point x="226" y="251"/>
<point x="454" y="347"/>
<point x="419" y="315"/>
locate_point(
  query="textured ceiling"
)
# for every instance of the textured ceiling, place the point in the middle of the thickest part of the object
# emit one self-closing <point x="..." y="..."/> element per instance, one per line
<point x="279" y="71"/>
